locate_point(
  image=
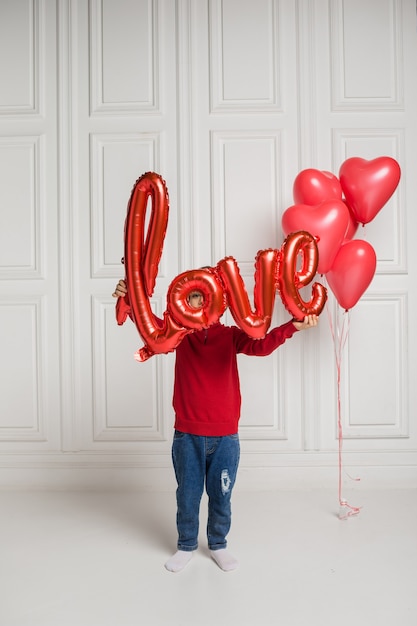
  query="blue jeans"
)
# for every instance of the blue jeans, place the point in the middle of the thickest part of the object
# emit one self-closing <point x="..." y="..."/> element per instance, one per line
<point x="212" y="461"/>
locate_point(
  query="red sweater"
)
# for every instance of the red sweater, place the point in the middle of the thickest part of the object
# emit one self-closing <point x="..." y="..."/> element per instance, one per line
<point x="207" y="396"/>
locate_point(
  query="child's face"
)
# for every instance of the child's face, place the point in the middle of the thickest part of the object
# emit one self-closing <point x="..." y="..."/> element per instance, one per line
<point x="195" y="299"/>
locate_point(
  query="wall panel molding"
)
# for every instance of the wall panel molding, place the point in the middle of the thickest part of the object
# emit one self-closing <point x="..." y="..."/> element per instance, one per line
<point x="22" y="29"/>
<point x="125" y="57"/>
<point x="367" y="74"/>
<point x="387" y="232"/>
<point x="23" y="369"/>
<point x="116" y="162"/>
<point x="264" y="412"/>
<point x="123" y="409"/>
<point x="228" y="100"/>
<point x="154" y="472"/>
<point x="244" y="77"/>
<point x="245" y="194"/>
<point x="308" y="75"/>
<point x="22" y="197"/>
<point x="68" y="208"/>
<point x="187" y="56"/>
<point x="374" y="394"/>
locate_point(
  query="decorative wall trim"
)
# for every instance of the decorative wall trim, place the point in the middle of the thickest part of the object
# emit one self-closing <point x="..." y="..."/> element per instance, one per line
<point x="142" y="152"/>
<point x="268" y="419"/>
<point x="34" y="39"/>
<point x="267" y="182"/>
<point x="153" y="473"/>
<point x="384" y="99"/>
<point x="28" y="383"/>
<point x="394" y="411"/>
<point x="307" y="84"/>
<point x="209" y="134"/>
<point x="186" y="106"/>
<point x="67" y="211"/>
<point x="253" y="102"/>
<point x="149" y="423"/>
<point x="147" y="105"/>
<point x="28" y="176"/>
<point x="390" y="225"/>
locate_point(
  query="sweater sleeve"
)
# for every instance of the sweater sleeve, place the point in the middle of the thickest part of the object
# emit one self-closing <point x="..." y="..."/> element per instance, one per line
<point x="262" y="347"/>
<point x="123" y="310"/>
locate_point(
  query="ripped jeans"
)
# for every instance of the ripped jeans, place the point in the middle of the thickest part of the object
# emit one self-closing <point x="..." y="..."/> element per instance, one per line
<point x="212" y="461"/>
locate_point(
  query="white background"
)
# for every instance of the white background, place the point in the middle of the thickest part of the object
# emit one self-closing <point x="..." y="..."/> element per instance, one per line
<point x="228" y="101"/>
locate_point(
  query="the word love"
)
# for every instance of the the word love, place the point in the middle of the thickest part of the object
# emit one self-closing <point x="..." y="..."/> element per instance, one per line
<point x="283" y="271"/>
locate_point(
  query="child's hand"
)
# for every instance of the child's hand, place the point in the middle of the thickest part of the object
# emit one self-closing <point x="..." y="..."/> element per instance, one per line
<point x="120" y="290"/>
<point x="308" y="322"/>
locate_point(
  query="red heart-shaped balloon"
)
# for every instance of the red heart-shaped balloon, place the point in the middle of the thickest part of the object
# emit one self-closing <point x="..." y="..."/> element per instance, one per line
<point x="353" y="226"/>
<point x="368" y="185"/>
<point x="328" y="222"/>
<point x="314" y="187"/>
<point x="352" y="271"/>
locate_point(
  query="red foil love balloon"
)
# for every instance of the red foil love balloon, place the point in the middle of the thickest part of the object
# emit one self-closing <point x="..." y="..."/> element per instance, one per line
<point x="221" y="286"/>
<point x="368" y="185"/>
<point x="352" y="272"/>
<point x="290" y="279"/>
<point x="214" y="299"/>
<point x="254" y="323"/>
<point x="141" y="265"/>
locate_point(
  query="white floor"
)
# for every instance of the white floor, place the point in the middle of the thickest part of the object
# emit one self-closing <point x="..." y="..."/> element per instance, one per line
<point x="96" y="559"/>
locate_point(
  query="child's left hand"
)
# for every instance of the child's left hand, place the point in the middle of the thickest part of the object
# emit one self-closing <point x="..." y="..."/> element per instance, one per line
<point x="308" y="322"/>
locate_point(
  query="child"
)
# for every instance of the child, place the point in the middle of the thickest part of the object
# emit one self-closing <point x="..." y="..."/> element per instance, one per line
<point x="205" y="449"/>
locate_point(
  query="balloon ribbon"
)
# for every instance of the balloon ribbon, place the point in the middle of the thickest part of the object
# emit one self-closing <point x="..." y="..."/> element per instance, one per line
<point x="340" y="335"/>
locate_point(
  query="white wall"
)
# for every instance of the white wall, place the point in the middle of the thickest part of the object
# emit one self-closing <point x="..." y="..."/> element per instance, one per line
<point x="228" y="101"/>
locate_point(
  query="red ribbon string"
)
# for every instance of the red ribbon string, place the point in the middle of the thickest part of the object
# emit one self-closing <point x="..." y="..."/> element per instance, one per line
<point x="340" y="334"/>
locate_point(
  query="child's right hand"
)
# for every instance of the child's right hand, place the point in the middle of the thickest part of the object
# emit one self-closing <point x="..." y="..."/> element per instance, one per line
<point x="120" y="290"/>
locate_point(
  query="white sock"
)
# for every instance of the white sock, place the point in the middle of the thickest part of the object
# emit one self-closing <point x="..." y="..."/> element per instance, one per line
<point x="224" y="559"/>
<point x="178" y="561"/>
